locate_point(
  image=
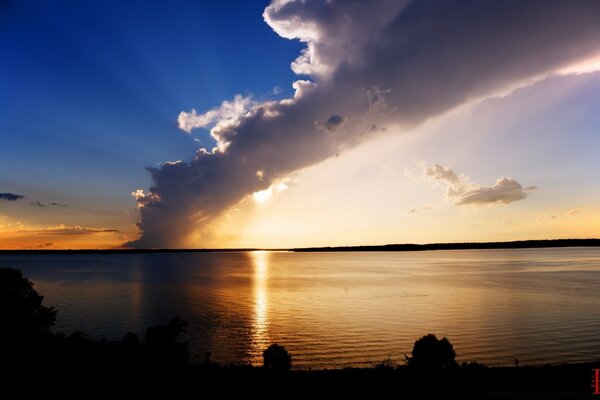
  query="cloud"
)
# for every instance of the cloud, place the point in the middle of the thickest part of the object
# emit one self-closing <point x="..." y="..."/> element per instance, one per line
<point x="577" y="210"/>
<point x="65" y="230"/>
<point x="377" y="63"/>
<point x="333" y="122"/>
<point x="504" y="191"/>
<point x="228" y="111"/>
<point x="52" y="203"/>
<point x="415" y="210"/>
<point x="55" y="204"/>
<point x="11" y="196"/>
<point x="465" y="192"/>
<point x="456" y="185"/>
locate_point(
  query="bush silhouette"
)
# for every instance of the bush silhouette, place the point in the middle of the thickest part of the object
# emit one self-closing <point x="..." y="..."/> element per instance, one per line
<point x="277" y="358"/>
<point x="162" y="345"/>
<point x="23" y="314"/>
<point x="432" y="353"/>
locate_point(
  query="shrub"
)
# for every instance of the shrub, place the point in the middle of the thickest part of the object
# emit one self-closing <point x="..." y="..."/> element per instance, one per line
<point x="276" y="357"/>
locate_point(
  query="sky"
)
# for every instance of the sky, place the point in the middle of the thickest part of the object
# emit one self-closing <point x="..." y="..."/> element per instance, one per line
<point x="297" y="123"/>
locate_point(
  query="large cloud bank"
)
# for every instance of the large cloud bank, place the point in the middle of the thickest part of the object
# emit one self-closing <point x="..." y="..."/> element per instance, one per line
<point x="368" y="65"/>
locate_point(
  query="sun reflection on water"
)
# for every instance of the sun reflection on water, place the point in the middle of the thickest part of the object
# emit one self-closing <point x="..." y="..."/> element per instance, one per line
<point x="260" y="324"/>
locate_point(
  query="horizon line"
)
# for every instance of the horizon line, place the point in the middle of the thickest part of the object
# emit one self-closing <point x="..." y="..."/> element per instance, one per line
<point x="530" y="243"/>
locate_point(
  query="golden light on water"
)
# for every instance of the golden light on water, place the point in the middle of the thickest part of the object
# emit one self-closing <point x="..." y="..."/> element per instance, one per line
<point x="260" y="323"/>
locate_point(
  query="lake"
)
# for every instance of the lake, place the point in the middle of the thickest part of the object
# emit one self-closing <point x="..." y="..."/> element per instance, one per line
<point x="337" y="309"/>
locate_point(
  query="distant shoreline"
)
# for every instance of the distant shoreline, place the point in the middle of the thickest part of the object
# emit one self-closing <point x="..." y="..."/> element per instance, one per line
<point x="520" y="244"/>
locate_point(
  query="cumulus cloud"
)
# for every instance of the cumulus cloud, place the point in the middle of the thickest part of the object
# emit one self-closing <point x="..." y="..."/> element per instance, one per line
<point x="11" y="196"/>
<point x="375" y="63"/>
<point x="456" y="185"/>
<point x="504" y="191"/>
<point x="228" y="111"/>
<point x="464" y="192"/>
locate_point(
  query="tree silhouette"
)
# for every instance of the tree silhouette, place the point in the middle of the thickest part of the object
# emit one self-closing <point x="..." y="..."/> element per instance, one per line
<point x="432" y="353"/>
<point x="21" y="309"/>
<point x="277" y="358"/>
<point x="162" y="345"/>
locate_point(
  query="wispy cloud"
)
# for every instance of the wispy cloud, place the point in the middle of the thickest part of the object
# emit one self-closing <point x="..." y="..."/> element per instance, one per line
<point x="464" y="192"/>
<point x="65" y="230"/>
<point x="55" y="204"/>
<point x="577" y="210"/>
<point x="11" y="196"/>
<point x="52" y="203"/>
<point x="415" y="210"/>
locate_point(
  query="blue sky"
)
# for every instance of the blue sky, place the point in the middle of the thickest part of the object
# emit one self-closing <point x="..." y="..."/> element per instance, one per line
<point x="92" y="90"/>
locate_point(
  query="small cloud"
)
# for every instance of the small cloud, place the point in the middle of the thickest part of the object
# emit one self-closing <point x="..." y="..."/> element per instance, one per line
<point x="546" y="217"/>
<point x="228" y="111"/>
<point x="464" y="192"/>
<point x="11" y="196"/>
<point x="145" y="199"/>
<point x="577" y="210"/>
<point x="419" y="209"/>
<point x="276" y="90"/>
<point x="333" y="122"/>
<point x="55" y="204"/>
<point x="504" y="191"/>
<point x="138" y="194"/>
<point x="52" y="203"/>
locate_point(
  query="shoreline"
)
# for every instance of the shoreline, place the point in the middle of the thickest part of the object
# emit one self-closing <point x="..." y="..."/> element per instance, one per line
<point x="404" y="247"/>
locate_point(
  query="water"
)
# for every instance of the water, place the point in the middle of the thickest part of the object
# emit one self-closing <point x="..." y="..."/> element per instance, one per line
<point x="337" y="309"/>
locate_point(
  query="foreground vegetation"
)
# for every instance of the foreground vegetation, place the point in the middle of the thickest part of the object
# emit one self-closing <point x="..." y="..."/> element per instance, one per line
<point x="32" y="353"/>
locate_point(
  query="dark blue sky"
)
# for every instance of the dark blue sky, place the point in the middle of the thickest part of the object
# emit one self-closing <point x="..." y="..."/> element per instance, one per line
<point x="90" y="91"/>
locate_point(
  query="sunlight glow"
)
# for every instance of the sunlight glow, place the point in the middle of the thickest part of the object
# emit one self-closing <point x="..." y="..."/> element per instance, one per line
<point x="263" y="195"/>
<point x="586" y="66"/>
<point x="260" y="331"/>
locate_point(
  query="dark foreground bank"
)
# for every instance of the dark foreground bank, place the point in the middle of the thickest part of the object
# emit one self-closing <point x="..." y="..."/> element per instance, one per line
<point x="553" y="382"/>
<point x="35" y="360"/>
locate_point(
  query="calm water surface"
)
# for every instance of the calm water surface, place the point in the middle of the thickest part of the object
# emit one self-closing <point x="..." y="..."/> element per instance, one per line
<point x="337" y="309"/>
